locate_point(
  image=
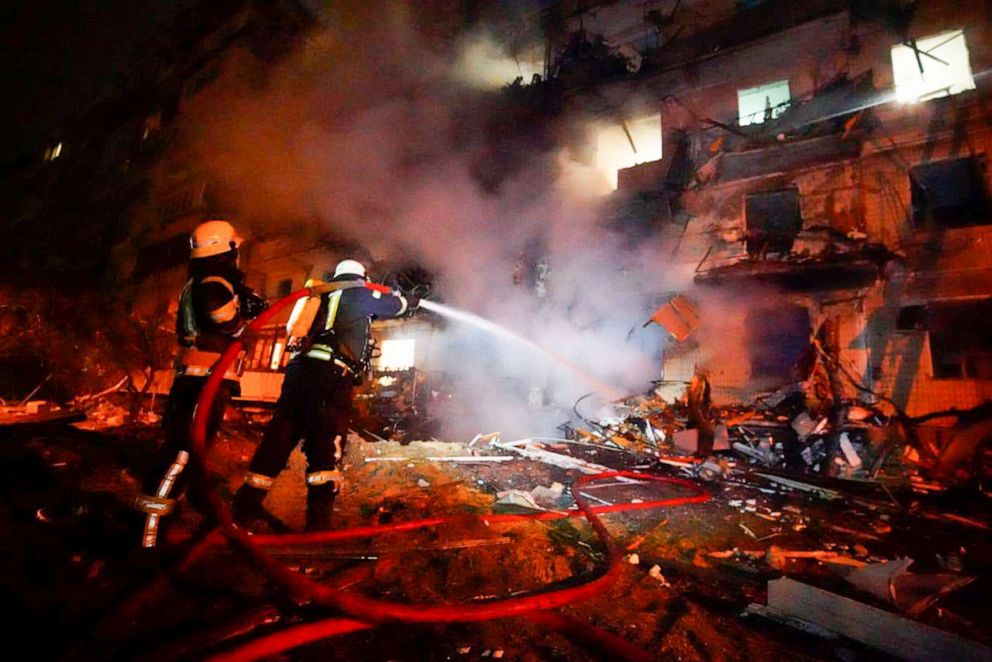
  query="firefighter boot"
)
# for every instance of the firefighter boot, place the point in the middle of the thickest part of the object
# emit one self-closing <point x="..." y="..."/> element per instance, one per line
<point x="320" y="502"/>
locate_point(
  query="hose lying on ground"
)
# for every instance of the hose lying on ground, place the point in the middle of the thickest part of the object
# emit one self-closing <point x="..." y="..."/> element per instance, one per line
<point x="367" y="612"/>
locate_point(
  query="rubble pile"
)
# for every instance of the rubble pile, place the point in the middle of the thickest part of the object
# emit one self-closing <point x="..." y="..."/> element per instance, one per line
<point x="790" y="438"/>
<point x="35" y="415"/>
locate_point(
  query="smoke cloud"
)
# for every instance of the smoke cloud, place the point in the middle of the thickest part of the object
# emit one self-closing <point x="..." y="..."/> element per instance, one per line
<point x="387" y="141"/>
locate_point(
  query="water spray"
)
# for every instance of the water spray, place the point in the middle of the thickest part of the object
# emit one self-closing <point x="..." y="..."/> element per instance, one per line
<point x="608" y="392"/>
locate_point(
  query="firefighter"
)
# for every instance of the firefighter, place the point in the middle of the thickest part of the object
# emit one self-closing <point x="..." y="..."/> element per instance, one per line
<point x="330" y="337"/>
<point x="213" y="309"/>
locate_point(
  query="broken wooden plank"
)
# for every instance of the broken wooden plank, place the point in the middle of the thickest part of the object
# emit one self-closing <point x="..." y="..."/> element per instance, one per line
<point x="958" y="519"/>
<point x="777" y="557"/>
<point x="32" y="423"/>
<point x="596" y="499"/>
<point x="822" y="492"/>
<point x="880" y="629"/>
<point x="464" y="459"/>
<point x="311" y="551"/>
<point x="523" y="448"/>
<point x="483" y="438"/>
<point x="785" y="619"/>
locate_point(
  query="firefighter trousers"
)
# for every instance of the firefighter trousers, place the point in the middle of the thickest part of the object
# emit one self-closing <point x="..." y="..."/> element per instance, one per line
<point x="168" y="477"/>
<point x="315" y="406"/>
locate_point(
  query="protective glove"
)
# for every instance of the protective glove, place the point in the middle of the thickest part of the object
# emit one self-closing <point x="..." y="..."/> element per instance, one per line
<point x="412" y="302"/>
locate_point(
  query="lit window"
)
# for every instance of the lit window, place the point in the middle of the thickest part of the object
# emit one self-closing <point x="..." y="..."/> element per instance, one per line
<point x="765" y="102"/>
<point x="938" y="67"/>
<point x="617" y="148"/>
<point x="53" y="152"/>
<point x="153" y="123"/>
<point x="397" y="354"/>
<point x="276" y="361"/>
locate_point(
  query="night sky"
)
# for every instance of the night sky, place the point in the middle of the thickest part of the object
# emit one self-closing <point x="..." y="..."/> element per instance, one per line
<point x="58" y="55"/>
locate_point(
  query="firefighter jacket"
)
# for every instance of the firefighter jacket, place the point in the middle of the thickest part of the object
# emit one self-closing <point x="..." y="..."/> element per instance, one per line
<point x="214" y="306"/>
<point x="341" y="327"/>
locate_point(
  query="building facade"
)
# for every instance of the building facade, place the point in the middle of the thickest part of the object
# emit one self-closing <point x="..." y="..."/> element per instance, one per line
<point x="820" y="169"/>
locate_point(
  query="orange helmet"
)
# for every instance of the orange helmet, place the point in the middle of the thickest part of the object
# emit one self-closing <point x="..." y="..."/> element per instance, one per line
<point x="213" y="238"/>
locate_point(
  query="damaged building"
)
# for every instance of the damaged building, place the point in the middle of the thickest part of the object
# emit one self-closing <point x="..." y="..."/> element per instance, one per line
<point x="802" y="474"/>
<point x="820" y="170"/>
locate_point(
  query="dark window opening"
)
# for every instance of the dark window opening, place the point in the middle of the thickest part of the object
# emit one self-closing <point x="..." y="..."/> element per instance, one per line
<point x="960" y="338"/>
<point x="285" y="287"/>
<point x="773" y="221"/>
<point x="912" y="318"/>
<point x="949" y="194"/>
<point x="748" y="4"/>
<point x="777" y="338"/>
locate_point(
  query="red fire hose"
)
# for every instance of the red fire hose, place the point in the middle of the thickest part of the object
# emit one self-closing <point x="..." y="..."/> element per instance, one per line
<point x="370" y="611"/>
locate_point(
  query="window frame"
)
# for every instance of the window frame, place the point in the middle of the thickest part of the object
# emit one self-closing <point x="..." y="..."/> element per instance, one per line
<point x="906" y="59"/>
<point x="751" y="235"/>
<point x="924" y="219"/>
<point x="776" y="110"/>
<point x="921" y="316"/>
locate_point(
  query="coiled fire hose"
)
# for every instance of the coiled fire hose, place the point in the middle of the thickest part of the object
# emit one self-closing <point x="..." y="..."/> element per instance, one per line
<point x="368" y="612"/>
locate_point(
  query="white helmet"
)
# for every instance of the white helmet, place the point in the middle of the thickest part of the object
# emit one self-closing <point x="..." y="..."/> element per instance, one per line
<point x="349" y="268"/>
<point x="213" y="238"/>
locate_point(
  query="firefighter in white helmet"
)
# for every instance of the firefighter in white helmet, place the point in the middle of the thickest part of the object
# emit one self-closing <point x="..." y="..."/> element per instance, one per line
<point x="331" y="353"/>
<point x="213" y="309"/>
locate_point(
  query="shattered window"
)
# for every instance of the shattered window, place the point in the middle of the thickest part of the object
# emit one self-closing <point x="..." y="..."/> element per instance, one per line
<point x="772" y="221"/>
<point x="620" y="146"/>
<point x="53" y="152"/>
<point x="949" y="194"/>
<point x="933" y="67"/>
<point x="777" y="338"/>
<point x="960" y="339"/>
<point x="765" y="102"/>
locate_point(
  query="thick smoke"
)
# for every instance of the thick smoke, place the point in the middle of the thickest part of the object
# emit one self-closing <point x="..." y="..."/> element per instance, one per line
<point x="382" y="139"/>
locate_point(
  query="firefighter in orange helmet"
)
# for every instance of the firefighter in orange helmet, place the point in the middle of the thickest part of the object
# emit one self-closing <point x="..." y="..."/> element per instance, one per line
<point x="214" y="307"/>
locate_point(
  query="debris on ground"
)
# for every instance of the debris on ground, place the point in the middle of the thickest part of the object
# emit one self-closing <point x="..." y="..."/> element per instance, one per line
<point x="911" y="593"/>
<point x="37" y="416"/>
<point x="794" y="493"/>
<point x="789" y="441"/>
<point x="829" y="614"/>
